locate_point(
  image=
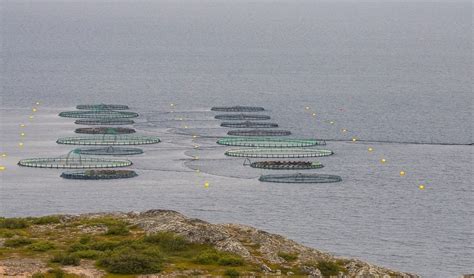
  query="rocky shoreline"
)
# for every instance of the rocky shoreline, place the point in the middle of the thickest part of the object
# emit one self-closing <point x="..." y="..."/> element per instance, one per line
<point x="273" y="254"/>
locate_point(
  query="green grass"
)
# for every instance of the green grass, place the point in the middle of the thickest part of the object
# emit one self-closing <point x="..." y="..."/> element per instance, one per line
<point x="231" y="273"/>
<point x="117" y="230"/>
<point x="218" y="258"/>
<point x="167" y="241"/>
<point x="132" y="261"/>
<point x="289" y="257"/>
<point x="14" y="223"/>
<point x="41" y="246"/>
<point x="44" y="220"/>
<point x="329" y="268"/>
<point x="18" y="242"/>
<point x="66" y="259"/>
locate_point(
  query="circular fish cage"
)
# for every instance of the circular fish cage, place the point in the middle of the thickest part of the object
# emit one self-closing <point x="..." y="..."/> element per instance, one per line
<point x="248" y="124"/>
<point x="98" y="114"/>
<point x="278" y="153"/>
<point x="105" y="130"/>
<point x="300" y="178"/>
<point x="263" y="142"/>
<point x="99" y="174"/>
<point x="242" y="117"/>
<point x="74" y="163"/>
<point x="258" y="132"/>
<point x="109" y="140"/>
<point x="237" y="108"/>
<point x="286" y="165"/>
<point x="110" y="150"/>
<point x="102" y="107"/>
<point x="104" y="121"/>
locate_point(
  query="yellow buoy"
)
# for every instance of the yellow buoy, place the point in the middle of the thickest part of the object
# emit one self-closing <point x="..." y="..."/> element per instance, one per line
<point x="206" y="184"/>
<point x="383" y="160"/>
<point x="402" y="173"/>
<point x="344" y="130"/>
<point x="421" y="187"/>
<point x="20" y="144"/>
<point x="22" y="134"/>
<point x="2" y="168"/>
<point x="22" y="125"/>
<point x="370" y="149"/>
<point x="34" y="109"/>
<point x="354" y="139"/>
<point x="4" y="155"/>
<point x="331" y="122"/>
<point x="185" y="126"/>
<point x="38" y="103"/>
<point x="307" y="108"/>
<point x="171" y="104"/>
<point x="31" y="117"/>
<point x="194" y="136"/>
<point x="314" y="114"/>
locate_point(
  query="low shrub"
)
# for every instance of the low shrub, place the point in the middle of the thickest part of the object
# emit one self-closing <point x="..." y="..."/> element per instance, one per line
<point x="66" y="259"/>
<point x="168" y="241"/>
<point x="105" y="245"/>
<point x="85" y="239"/>
<point x="207" y="257"/>
<point x="231" y="273"/>
<point x="329" y="268"/>
<point x="219" y="258"/>
<point x="38" y="275"/>
<point x="57" y="272"/>
<point x="44" y="220"/>
<point x="78" y="247"/>
<point x="230" y="260"/>
<point x="6" y="234"/>
<point x="288" y="256"/>
<point x="13" y="223"/>
<point x="41" y="246"/>
<point x="18" y="242"/>
<point x="117" y="230"/>
<point x="130" y="261"/>
<point x="88" y="254"/>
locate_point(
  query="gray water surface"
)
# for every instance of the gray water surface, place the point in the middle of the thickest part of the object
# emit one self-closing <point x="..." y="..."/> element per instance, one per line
<point x="396" y="76"/>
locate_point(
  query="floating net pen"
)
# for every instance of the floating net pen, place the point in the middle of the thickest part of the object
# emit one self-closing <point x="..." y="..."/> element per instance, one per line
<point x="242" y="117"/>
<point x="249" y="124"/>
<point x="237" y="109"/>
<point x="259" y="132"/>
<point x="104" y="121"/>
<point x="286" y="165"/>
<point x="105" y="130"/>
<point x="99" y="174"/>
<point x="110" y="150"/>
<point x="300" y="178"/>
<point x="109" y="140"/>
<point x="98" y="114"/>
<point x="264" y="142"/>
<point x="102" y="107"/>
<point x="73" y="163"/>
<point x="278" y="153"/>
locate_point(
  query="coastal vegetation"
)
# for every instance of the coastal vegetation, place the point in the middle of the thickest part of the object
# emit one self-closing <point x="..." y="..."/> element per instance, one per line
<point x="115" y="246"/>
<point x="158" y="241"/>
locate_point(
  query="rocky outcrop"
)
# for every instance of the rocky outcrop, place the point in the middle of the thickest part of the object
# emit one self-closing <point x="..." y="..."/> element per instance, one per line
<point x="256" y="246"/>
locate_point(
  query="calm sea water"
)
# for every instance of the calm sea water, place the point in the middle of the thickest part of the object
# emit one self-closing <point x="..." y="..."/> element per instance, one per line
<point x="397" y="76"/>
